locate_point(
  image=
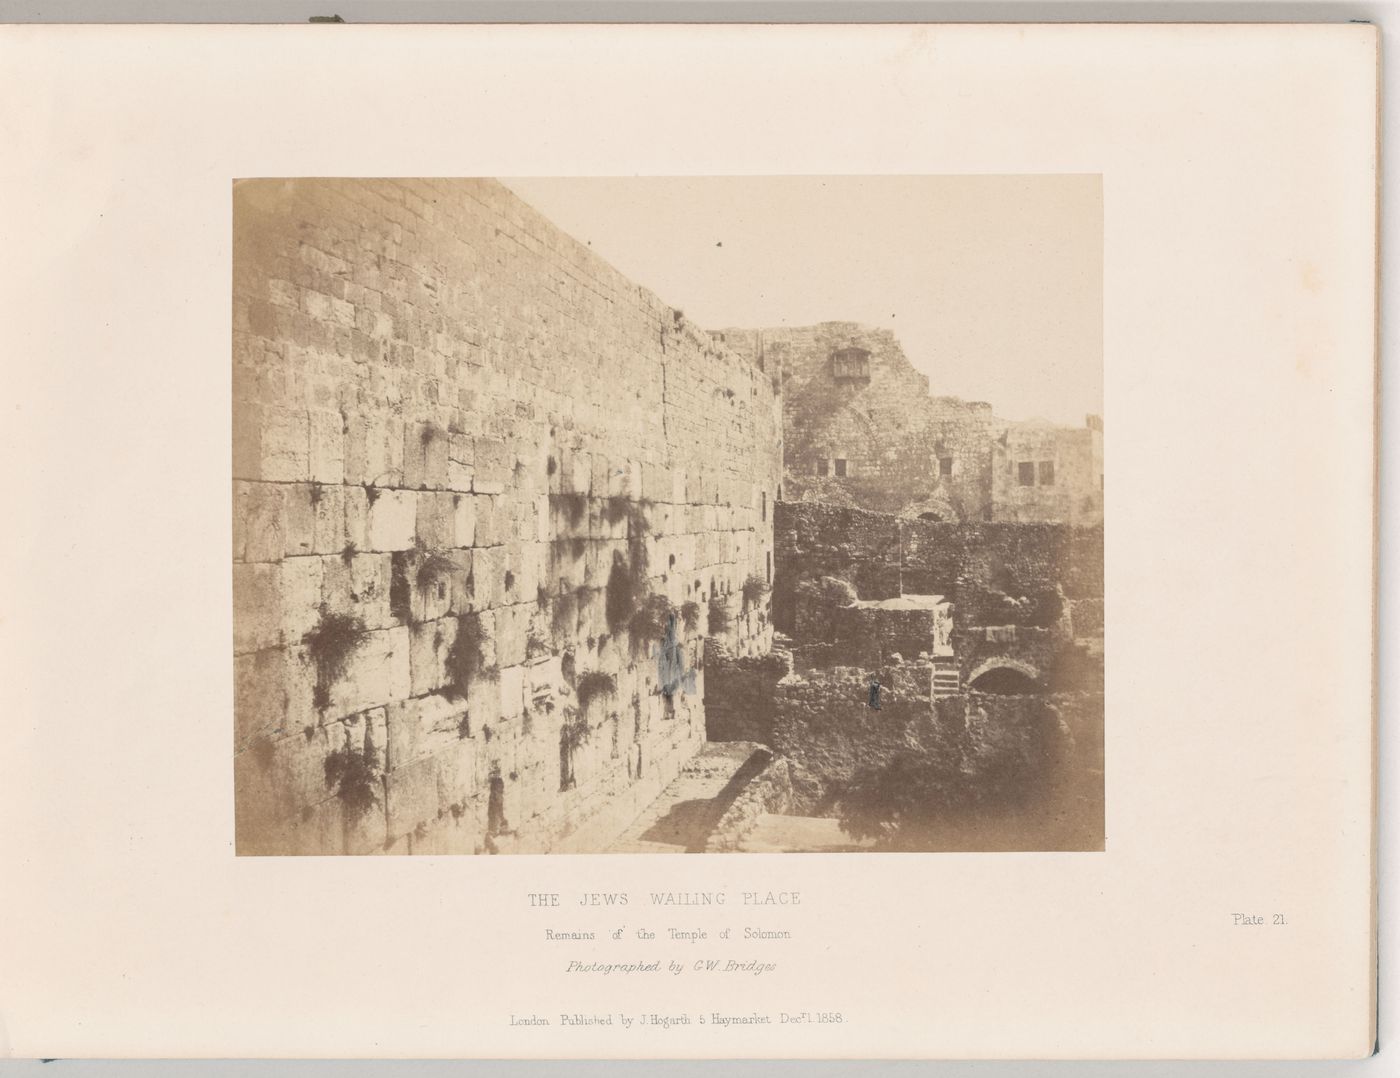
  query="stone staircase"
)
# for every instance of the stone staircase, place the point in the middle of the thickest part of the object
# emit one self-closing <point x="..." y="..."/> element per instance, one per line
<point x="946" y="681"/>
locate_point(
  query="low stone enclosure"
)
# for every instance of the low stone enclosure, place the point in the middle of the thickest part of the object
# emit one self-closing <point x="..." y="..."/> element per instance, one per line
<point x="489" y="499"/>
<point x="1014" y="772"/>
<point x="967" y="715"/>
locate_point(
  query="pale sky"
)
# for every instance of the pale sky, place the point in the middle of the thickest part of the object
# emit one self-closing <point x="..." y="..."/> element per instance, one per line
<point x="993" y="284"/>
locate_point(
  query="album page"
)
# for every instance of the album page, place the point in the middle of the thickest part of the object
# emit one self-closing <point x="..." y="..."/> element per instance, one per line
<point x="689" y="541"/>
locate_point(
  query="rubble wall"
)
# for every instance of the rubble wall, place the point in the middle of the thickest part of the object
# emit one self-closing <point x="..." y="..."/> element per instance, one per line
<point x="466" y="454"/>
<point x="994" y="573"/>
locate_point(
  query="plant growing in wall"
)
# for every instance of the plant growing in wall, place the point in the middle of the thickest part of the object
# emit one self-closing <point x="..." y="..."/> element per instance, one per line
<point x="593" y="685"/>
<point x="354" y="777"/>
<point x="625" y="590"/>
<point x="754" y="589"/>
<point x="329" y="645"/>
<point x="466" y="658"/>
<point x="652" y="618"/>
<point x="616" y="509"/>
<point x="719" y="618"/>
<point x="573" y="505"/>
<point x="572" y="734"/>
<point x="434" y="566"/>
<point x="690" y="615"/>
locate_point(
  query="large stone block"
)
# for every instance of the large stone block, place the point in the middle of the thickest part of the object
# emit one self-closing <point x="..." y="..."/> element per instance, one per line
<point x="512" y="687"/>
<point x="315" y="518"/>
<point x="422" y="727"/>
<point x="393" y="520"/>
<point x="416" y="437"/>
<point x="493" y="466"/>
<point x="436" y="526"/>
<point x="429" y="645"/>
<point x="542" y="531"/>
<point x="284" y="454"/>
<point x="257" y="622"/>
<point x="360" y="584"/>
<point x="258" y="524"/>
<point x="259" y="695"/>
<point x="299" y="596"/>
<point x="492" y="521"/>
<point x="462" y="599"/>
<point x="456" y="775"/>
<point x="578" y="473"/>
<point x="411" y="796"/>
<point x="512" y="634"/>
<point x="247" y="438"/>
<point x="463" y="520"/>
<point x="488" y="576"/>
<point x="326" y="449"/>
<point x="376" y="673"/>
<point x="374" y="450"/>
<point x="461" y="462"/>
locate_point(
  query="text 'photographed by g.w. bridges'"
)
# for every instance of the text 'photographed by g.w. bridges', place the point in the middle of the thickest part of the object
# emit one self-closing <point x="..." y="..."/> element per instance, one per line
<point x="527" y="559"/>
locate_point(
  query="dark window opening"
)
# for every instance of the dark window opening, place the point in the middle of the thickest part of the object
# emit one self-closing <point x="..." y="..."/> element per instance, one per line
<point x="763" y="504"/>
<point x="850" y="364"/>
<point x="768" y="560"/>
<point x="840" y="468"/>
<point x="1047" y="473"/>
<point x="945" y="467"/>
<point x="1025" y="473"/>
<point x="823" y="467"/>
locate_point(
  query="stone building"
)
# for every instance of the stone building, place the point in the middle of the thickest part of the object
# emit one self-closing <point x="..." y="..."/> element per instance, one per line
<point x="489" y="496"/>
<point x="861" y="430"/>
<point x="1044" y="472"/>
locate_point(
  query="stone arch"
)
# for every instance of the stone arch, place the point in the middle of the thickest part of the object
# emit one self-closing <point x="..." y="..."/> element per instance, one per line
<point x="1004" y="676"/>
<point x="933" y="509"/>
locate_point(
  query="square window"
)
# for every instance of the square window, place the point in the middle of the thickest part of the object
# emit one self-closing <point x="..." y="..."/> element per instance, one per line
<point x="1025" y="473"/>
<point x="840" y="468"/>
<point x="945" y="467"/>
<point x="1047" y="473"/>
<point x="850" y="364"/>
<point x="823" y="468"/>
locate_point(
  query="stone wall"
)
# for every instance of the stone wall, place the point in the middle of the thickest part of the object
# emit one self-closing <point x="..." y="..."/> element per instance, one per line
<point x="862" y="431"/>
<point x="872" y="416"/>
<point x="782" y="788"/>
<point x="1041" y="472"/>
<point x="1052" y="743"/>
<point x="739" y="692"/>
<point x="994" y="573"/>
<point x="475" y="469"/>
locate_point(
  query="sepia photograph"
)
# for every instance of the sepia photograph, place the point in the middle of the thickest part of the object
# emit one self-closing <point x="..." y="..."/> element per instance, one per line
<point x="668" y="515"/>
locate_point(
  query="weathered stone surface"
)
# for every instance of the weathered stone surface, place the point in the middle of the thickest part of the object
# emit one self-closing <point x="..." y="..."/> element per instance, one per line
<point x="422" y="726"/>
<point x="377" y="672"/>
<point x="487" y="391"/>
<point x="393" y="519"/>
<point x="258" y="522"/>
<point x="257" y="622"/>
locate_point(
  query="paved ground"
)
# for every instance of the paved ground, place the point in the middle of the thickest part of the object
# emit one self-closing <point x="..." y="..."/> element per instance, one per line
<point x="681" y="819"/>
<point x="799" y="834"/>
